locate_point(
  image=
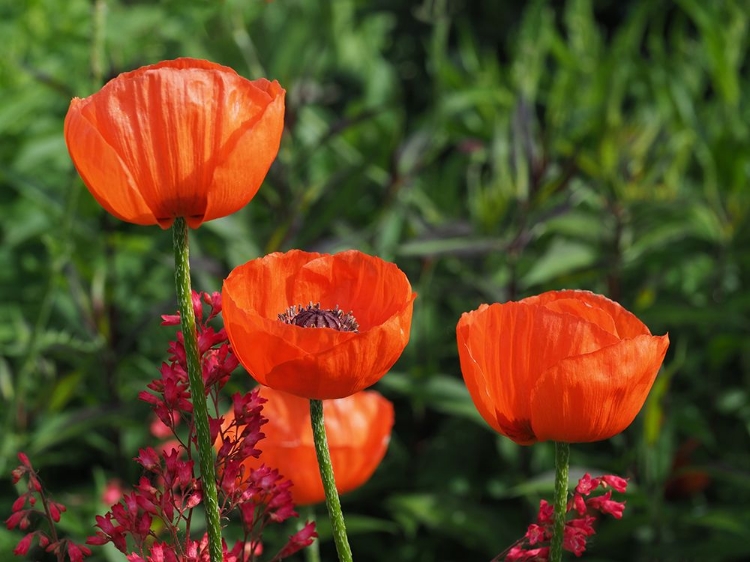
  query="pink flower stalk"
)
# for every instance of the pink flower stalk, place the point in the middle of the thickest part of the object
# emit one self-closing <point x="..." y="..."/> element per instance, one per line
<point x="169" y="490"/>
<point x="21" y="517"/>
<point x="152" y="522"/>
<point x="531" y="548"/>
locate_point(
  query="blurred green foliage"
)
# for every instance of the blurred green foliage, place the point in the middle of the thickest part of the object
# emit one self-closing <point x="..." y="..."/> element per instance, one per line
<point x="493" y="150"/>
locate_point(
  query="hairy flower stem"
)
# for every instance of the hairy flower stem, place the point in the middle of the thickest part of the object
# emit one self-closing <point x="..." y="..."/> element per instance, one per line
<point x="329" y="484"/>
<point x="197" y="388"/>
<point x="562" y="460"/>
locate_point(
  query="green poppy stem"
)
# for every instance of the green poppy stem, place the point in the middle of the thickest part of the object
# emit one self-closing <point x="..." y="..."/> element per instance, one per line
<point x="329" y="484"/>
<point x="562" y="462"/>
<point x="197" y="388"/>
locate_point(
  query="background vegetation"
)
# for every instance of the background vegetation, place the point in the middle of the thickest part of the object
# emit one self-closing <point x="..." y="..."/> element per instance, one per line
<point x="493" y="150"/>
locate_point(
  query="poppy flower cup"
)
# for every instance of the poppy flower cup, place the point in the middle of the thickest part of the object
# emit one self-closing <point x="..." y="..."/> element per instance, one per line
<point x="358" y="428"/>
<point x="565" y="366"/>
<point x="181" y="138"/>
<point x="318" y="326"/>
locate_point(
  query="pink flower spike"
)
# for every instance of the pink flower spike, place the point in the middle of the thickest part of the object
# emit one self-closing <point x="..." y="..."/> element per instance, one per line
<point x="546" y="513"/>
<point x="299" y="540"/>
<point x="587" y="484"/>
<point x="16" y="474"/>
<point x="606" y="505"/>
<point x="54" y="511"/>
<point x="77" y="553"/>
<point x="536" y="534"/>
<point x="112" y="492"/>
<point x="24" y="459"/>
<point x="579" y="504"/>
<point x="34" y="483"/>
<point x="616" y="482"/>
<point x="584" y="524"/>
<point x="197" y="306"/>
<point x="162" y="428"/>
<point x="520" y="554"/>
<point x="148" y="459"/>
<point x="19" y="503"/>
<point x="15" y="518"/>
<point x="214" y="301"/>
<point x="170" y="319"/>
<point x="23" y="545"/>
<point x="574" y="541"/>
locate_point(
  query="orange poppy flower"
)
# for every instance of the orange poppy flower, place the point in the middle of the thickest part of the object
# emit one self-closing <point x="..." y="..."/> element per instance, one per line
<point x="358" y="428"/>
<point x="567" y="366"/>
<point x="181" y="138"/>
<point x="316" y="325"/>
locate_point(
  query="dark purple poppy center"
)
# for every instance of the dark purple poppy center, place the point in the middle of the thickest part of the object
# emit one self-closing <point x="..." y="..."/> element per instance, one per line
<point x="312" y="316"/>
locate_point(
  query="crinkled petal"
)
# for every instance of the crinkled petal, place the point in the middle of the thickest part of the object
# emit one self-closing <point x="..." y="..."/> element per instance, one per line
<point x="508" y="347"/>
<point x="317" y="362"/>
<point x="358" y="428"/>
<point x="590" y="305"/>
<point x="595" y="396"/>
<point x="247" y="157"/>
<point x="184" y="138"/>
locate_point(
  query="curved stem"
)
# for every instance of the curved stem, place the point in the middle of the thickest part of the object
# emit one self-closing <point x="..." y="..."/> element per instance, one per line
<point x="562" y="460"/>
<point x="329" y="484"/>
<point x="197" y="389"/>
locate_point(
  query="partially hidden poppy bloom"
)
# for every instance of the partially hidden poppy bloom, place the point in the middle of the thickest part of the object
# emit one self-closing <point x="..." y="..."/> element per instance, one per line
<point x="180" y="138"/>
<point x="567" y="366"/>
<point x="318" y="326"/>
<point x="358" y="428"/>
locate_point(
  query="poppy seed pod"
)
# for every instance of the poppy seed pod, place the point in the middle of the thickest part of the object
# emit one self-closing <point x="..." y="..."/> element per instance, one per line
<point x="566" y="366"/>
<point x="181" y="138"/>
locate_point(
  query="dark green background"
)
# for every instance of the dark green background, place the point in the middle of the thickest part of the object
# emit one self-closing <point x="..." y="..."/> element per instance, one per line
<point x="491" y="149"/>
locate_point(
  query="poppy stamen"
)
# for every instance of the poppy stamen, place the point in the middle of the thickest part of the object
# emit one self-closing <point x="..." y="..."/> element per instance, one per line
<point x="312" y="316"/>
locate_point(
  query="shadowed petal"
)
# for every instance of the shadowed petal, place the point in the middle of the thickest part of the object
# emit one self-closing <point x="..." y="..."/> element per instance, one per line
<point x="358" y="429"/>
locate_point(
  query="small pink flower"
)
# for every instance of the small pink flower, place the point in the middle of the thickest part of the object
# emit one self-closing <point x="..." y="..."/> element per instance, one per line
<point x="616" y="482"/>
<point x="23" y="545"/>
<point x="606" y="505"/>
<point x="112" y="492"/>
<point x="587" y="484"/>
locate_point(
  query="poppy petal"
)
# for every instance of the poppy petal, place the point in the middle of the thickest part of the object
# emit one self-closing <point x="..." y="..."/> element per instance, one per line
<point x="358" y="429"/>
<point x="474" y="367"/>
<point x="627" y="324"/>
<point x="558" y="366"/>
<point x="512" y="346"/>
<point x="595" y="396"/>
<point x="184" y="138"/>
<point x="107" y="178"/>
<point x="249" y="154"/>
<point x="317" y="363"/>
<point x="366" y="286"/>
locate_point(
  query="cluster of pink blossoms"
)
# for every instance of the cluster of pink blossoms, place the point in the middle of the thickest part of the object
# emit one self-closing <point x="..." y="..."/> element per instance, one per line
<point x="169" y="489"/>
<point x="152" y="523"/>
<point x="578" y="529"/>
<point x="21" y="517"/>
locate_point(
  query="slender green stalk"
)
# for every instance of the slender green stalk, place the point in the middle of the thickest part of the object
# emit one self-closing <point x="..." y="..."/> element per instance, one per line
<point x="197" y="389"/>
<point x="312" y="552"/>
<point x="329" y="484"/>
<point x="562" y="461"/>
